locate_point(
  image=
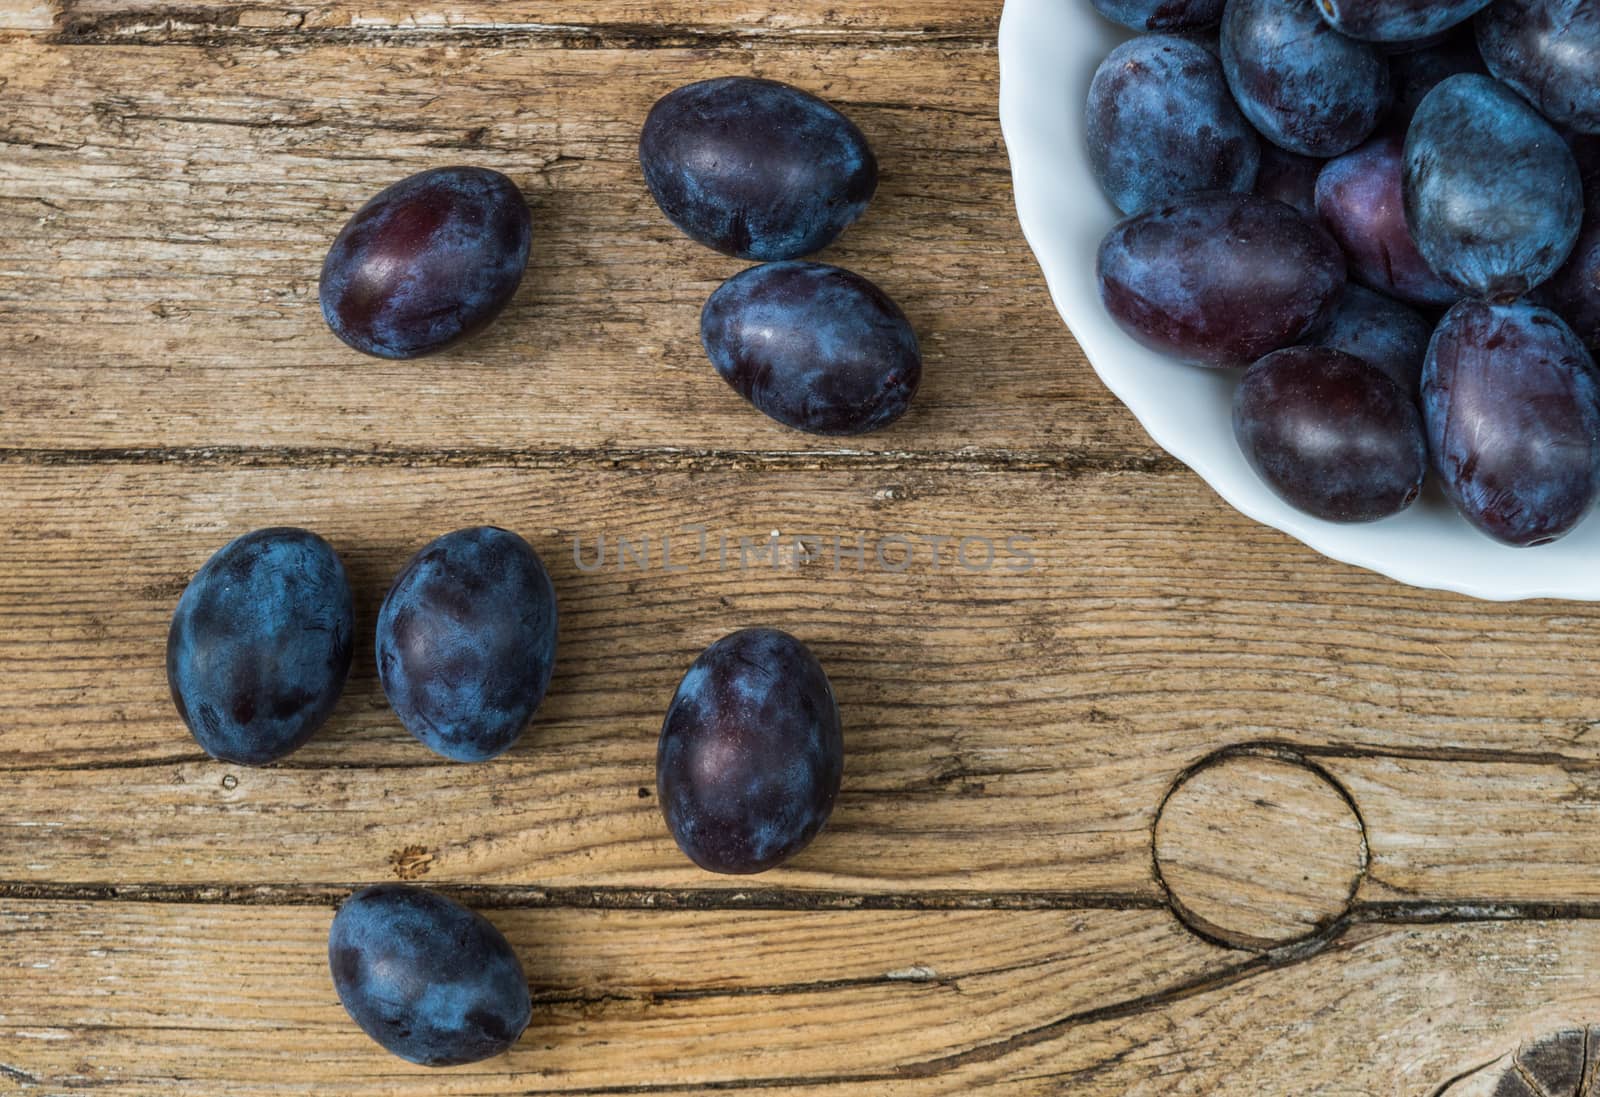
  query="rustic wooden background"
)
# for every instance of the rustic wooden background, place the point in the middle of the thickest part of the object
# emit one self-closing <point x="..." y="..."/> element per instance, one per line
<point x="1185" y="809"/>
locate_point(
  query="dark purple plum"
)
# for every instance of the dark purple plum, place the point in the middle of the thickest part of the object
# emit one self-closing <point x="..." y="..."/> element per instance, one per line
<point x="259" y="647"/>
<point x="1549" y="51"/>
<point x="1381" y="332"/>
<point x="1574" y="292"/>
<point x="1513" y="416"/>
<point x="755" y="168"/>
<point x="1289" y="177"/>
<point x="1492" y="193"/>
<point x="428" y="262"/>
<point x="1330" y="435"/>
<point x="1305" y="86"/>
<point x="1161" y="15"/>
<point x="1586" y="149"/>
<point x="818" y="348"/>
<point x="1219" y="279"/>
<point x="1397" y="20"/>
<point x="751" y="753"/>
<point x="1360" y="198"/>
<point x="1417" y="73"/>
<point x="467" y="640"/>
<point x="428" y="979"/>
<point x="1162" y="124"/>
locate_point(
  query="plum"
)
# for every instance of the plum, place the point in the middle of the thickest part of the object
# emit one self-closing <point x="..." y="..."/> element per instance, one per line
<point x="1574" y="292"/>
<point x="1493" y="195"/>
<point x="1381" y="332"/>
<point x="751" y="753"/>
<point x="1549" y="51"/>
<point x="467" y="641"/>
<point x="1304" y="85"/>
<point x="817" y="348"/>
<point x="1416" y="73"/>
<point x="754" y="168"/>
<point x="1161" y="15"/>
<point x="1360" y="198"/>
<point x="429" y="261"/>
<point x="260" y="644"/>
<point x="1289" y="177"/>
<point x="1219" y="279"/>
<point x="1162" y="124"/>
<point x="428" y="979"/>
<point x="1397" y="20"/>
<point x="1330" y="435"/>
<point x="1513" y="417"/>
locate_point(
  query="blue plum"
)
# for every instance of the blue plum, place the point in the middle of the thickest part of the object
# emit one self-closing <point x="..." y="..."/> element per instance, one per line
<point x="817" y="348"/>
<point x="1492" y="193"/>
<point x="1162" y="124"/>
<point x="1513" y="415"/>
<point x="1381" y="332"/>
<point x="1417" y="73"/>
<point x="1574" y="292"/>
<point x="1330" y="435"/>
<point x="428" y="979"/>
<point x="1161" y="15"/>
<point x="259" y="647"/>
<point x="1397" y="20"/>
<point x="1305" y="86"/>
<point x="1289" y="177"/>
<point x="751" y="753"/>
<point x="755" y="168"/>
<point x="467" y="641"/>
<point x="1361" y="201"/>
<point x="1549" y="50"/>
<point x="1219" y="279"/>
<point x="428" y="262"/>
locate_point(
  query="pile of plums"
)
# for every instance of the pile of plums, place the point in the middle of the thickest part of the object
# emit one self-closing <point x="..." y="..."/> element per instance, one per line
<point x="1388" y="211"/>
<point x="753" y="168"/>
<point x="748" y="763"/>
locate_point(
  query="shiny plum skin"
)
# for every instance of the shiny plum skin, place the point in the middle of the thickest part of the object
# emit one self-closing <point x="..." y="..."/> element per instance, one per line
<point x="817" y="348"/>
<point x="1416" y="73"/>
<point x="1381" y="332"/>
<point x="1305" y="86"/>
<point x="428" y="262"/>
<point x="751" y="753"/>
<point x="467" y="641"/>
<point x="754" y="168"/>
<point x="428" y="979"/>
<point x="1549" y="51"/>
<point x="1220" y="279"/>
<point x="1362" y="203"/>
<point x="1162" y="124"/>
<point x="1161" y="15"/>
<point x="1513" y="415"/>
<point x="260" y="644"/>
<point x="1289" y="177"/>
<point x="1397" y="20"/>
<point x="1492" y="193"/>
<point x="1330" y="435"/>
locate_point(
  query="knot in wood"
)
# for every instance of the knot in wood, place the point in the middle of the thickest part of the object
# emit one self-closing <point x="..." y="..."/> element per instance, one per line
<point x="1257" y="851"/>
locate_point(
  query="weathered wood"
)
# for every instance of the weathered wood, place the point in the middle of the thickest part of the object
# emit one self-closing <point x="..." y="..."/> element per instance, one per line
<point x="1259" y="851"/>
<point x="181" y="1000"/>
<point x="1006" y="730"/>
<point x="116" y="996"/>
<point x="164" y="214"/>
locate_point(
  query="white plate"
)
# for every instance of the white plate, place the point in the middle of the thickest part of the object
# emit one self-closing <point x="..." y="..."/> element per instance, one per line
<point x="1048" y="53"/>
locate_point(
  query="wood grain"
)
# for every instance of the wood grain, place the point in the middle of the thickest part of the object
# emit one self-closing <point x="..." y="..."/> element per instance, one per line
<point x="164" y="214"/>
<point x="1258" y="851"/>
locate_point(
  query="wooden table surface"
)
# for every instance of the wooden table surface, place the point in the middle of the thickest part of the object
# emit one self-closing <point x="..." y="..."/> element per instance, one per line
<point x="1180" y="808"/>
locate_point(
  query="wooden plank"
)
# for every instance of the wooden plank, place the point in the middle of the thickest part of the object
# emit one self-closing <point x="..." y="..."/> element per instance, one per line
<point x="131" y="998"/>
<point x="1006" y="730"/>
<point x="643" y="21"/>
<point x="134" y="998"/>
<point x="164" y="214"/>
